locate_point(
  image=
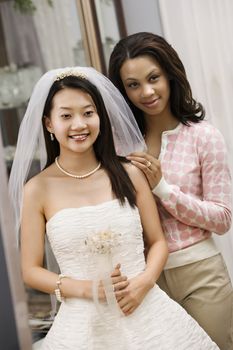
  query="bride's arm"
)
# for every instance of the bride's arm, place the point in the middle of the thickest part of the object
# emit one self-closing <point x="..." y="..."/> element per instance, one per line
<point x="133" y="295"/>
<point x="33" y="248"/>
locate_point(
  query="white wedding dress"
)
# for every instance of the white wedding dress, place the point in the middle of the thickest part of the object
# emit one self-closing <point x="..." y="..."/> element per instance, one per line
<point x="158" y="323"/>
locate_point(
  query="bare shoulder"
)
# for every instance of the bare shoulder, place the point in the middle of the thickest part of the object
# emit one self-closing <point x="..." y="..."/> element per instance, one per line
<point x="36" y="186"/>
<point x="136" y="175"/>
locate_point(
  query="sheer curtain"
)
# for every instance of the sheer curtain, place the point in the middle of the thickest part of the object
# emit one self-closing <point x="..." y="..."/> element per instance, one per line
<point x="59" y="33"/>
<point x="201" y="32"/>
<point x="21" y="38"/>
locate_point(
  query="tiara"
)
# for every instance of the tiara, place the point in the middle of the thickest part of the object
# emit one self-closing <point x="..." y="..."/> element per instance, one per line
<point x="70" y="72"/>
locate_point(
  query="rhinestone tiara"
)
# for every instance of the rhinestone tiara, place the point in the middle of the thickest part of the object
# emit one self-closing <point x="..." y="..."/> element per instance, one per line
<point x="70" y="72"/>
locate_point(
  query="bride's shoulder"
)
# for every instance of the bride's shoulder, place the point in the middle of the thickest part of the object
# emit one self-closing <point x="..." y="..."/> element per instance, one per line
<point x="37" y="184"/>
<point x="135" y="174"/>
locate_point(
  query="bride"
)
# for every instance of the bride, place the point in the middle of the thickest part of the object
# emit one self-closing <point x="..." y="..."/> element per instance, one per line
<point x="96" y="210"/>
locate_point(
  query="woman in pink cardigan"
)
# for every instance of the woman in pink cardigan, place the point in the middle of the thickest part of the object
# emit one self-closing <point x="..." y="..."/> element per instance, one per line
<point x="186" y="167"/>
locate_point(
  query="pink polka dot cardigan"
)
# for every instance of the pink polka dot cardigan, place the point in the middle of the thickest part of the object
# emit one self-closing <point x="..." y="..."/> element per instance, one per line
<point x="194" y="195"/>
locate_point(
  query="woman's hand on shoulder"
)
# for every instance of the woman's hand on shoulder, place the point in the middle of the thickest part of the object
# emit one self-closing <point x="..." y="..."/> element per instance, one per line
<point x="150" y="166"/>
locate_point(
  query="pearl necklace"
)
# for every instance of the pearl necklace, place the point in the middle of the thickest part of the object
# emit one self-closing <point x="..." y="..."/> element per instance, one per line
<point x="76" y="176"/>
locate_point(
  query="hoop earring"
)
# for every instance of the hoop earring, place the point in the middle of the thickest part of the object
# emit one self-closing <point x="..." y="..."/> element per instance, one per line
<point x="51" y="137"/>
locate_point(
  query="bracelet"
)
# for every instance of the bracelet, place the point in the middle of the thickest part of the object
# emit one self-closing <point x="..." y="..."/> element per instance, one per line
<point x="57" y="291"/>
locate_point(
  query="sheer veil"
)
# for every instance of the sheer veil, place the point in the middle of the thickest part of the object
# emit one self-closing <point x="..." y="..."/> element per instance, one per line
<point x="31" y="142"/>
<point x="127" y="136"/>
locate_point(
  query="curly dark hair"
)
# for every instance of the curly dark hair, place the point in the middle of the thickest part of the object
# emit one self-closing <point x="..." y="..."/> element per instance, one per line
<point x="183" y="106"/>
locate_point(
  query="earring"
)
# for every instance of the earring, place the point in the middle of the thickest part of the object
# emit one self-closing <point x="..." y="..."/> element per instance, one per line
<point x="51" y="137"/>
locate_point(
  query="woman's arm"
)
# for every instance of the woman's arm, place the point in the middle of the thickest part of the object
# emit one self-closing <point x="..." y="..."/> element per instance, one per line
<point x="133" y="295"/>
<point x="212" y="212"/>
<point x="32" y="252"/>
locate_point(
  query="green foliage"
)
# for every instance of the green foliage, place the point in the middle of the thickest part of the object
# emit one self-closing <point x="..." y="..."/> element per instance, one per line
<point x="27" y="6"/>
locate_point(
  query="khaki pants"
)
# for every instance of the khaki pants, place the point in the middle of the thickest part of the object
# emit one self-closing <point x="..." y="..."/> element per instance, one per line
<point x="204" y="290"/>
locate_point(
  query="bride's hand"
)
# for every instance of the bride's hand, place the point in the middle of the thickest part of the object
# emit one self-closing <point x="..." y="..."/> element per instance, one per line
<point x="149" y="165"/>
<point x="132" y="296"/>
<point x="119" y="282"/>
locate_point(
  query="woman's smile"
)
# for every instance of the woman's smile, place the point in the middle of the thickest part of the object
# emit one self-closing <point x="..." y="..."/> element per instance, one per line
<point x="146" y="85"/>
<point x="74" y="120"/>
<point x="152" y="103"/>
<point x="79" y="137"/>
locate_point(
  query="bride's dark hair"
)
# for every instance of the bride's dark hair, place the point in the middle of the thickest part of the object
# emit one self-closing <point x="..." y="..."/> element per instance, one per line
<point x="104" y="148"/>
